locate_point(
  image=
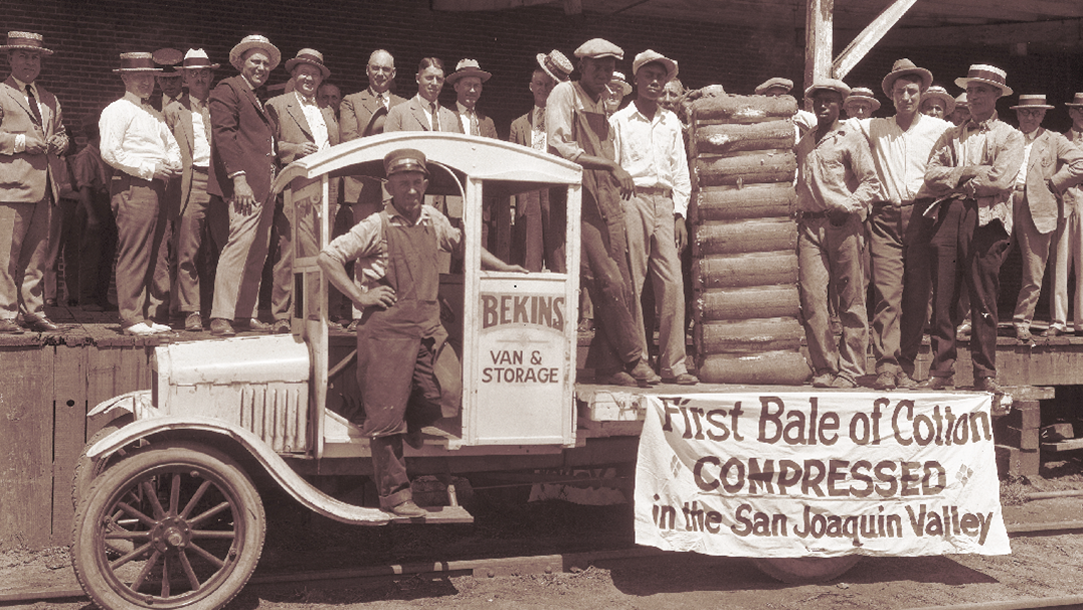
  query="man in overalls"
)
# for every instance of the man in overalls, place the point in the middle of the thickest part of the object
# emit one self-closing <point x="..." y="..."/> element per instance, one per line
<point x="578" y="130"/>
<point x="400" y="338"/>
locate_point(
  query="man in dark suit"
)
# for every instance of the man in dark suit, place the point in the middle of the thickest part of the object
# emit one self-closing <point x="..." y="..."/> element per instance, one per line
<point x="242" y="170"/>
<point x="189" y="119"/>
<point x="539" y="228"/>
<point x="423" y="112"/>
<point x="363" y="114"/>
<point x="468" y="80"/>
<point x="32" y="135"/>
<point x="303" y="128"/>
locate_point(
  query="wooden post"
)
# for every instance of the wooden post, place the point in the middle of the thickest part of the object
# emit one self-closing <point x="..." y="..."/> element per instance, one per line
<point x="818" y="40"/>
<point x="864" y="42"/>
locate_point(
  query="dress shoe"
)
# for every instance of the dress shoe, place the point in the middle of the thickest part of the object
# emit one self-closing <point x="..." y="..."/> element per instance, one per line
<point x="617" y="378"/>
<point x="904" y="381"/>
<point x="964" y="328"/>
<point x="1023" y="334"/>
<point x="193" y="323"/>
<point x="220" y="327"/>
<point x="9" y="327"/>
<point x="843" y="383"/>
<point x="415" y="439"/>
<point x="823" y="380"/>
<point x="884" y="381"/>
<point x="988" y="384"/>
<point x="282" y="327"/>
<point x="408" y="509"/>
<point x="252" y="325"/>
<point x="682" y="379"/>
<point x="644" y="374"/>
<point x="937" y="383"/>
<point x="39" y="324"/>
<point x="1053" y="331"/>
<point x="141" y="329"/>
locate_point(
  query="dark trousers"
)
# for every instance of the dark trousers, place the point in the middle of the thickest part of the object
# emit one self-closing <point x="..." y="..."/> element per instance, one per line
<point x="142" y="267"/>
<point x="916" y="284"/>
<point x="97" y="250"/>
<point x="423" y="408"/>
<point x="887" y="226"/>
<point x="965" y="256"/>
<point x="604" y="271"/>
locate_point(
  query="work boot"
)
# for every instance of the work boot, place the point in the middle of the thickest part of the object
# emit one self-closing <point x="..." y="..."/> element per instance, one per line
<point x="644" y="374"/>
<point x="408" y="509"/>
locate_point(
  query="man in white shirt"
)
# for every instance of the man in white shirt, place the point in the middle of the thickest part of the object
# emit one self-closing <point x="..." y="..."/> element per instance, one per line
<point x="302" y="128"/>
<point x="650" y="147"/>
<point x="138" y="144"/>
<point x="901" y="146"/>
<point x="189" y="118"/>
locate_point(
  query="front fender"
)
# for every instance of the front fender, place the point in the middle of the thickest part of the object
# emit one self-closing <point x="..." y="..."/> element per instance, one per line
<point x="280" y="471"/>
<point x="137" y="403"/>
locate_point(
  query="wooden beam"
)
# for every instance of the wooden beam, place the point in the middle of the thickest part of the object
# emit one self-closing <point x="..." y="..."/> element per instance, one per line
<point x="818" y="39"/>
<point x="867" y="39"/>
<point x="1063" y="32"/>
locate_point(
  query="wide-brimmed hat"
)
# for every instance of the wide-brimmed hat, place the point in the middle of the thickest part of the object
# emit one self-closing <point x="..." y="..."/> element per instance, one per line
<point x="1032" y="101"/>
<point x="985" y="73"/>
<point x="196" y="59"/>
<point x="311" y="57"/>
<point x="25" y="41"/>
<point x="649" y="56"/>
<point x="137" y="61"/>
<point x="1076" y="102"/>
<point x="467" y="67"/>
<point x="936" y="91"/>
<point x="861" y="95"/>
<point x="597" y="48"/>
<point x="771" y="83"/>
<point x="254" y="41"/>
<point x="405" y="160"/>
<point x="960" y="101"/>
<point x="829" y="84"/>
<point x="556" y="65"/>
<point x="620" y="81"/>
<point x="905" y="67"/>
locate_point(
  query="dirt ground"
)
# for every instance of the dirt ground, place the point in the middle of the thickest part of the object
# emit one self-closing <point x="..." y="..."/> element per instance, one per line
<point x="1039" y="566"/>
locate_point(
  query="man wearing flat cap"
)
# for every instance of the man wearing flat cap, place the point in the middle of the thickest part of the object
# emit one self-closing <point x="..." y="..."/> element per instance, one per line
<point x="32" y="136"/>
<point x="243" y="161"/>
<point x="302" y="129"/>
<point x="1068" y="240"/>
<point x="541" y="215"/>
<point x="400" y="340"/>
<point x="579" y="130"/>
<point x="137" y="143"/>
<point x="776" y="86"/>
<point x="836" y="183"/>
<point x="1051" y="165"/>
<point x="900" y="147"/>
<point x="650" y="147"/>
<point x="967" y="228"/>
<point x="200" y="215"/>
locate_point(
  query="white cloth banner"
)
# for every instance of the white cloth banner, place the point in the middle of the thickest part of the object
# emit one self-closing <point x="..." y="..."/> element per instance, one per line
<point x="809" y="474"/>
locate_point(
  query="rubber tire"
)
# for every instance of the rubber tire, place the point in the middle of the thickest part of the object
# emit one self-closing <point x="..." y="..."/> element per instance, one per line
<point x="806" y="570"/>
<point x="85" y="470"/>
<point x="223" y="470"/>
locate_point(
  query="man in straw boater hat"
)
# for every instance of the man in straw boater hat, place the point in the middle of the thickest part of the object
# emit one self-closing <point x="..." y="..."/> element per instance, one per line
<point x="32" y="136"/>
<point x="1051" y="165"/>
<point x="204" y="221"/>
<point x="1068" y="240"/>
<point x="137" y="143"/>
<point x="937" y="102"/>
<point x="650" y="147"/>
<point x="303" y="128"/>
<point x="836" y="182"/>
<point x="968" y="228"/>
<point x="407" y="379"/>
<point x="242" y="170"/>
<point x="578" y="130"/>
<point x="900" y="145"/>
<point x="961" y="114"/>
<point x="540" y="221"/>
<point x="861" y="103"/>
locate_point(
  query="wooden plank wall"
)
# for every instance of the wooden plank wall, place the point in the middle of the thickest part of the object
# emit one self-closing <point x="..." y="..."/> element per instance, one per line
<point x="45" y="394"/>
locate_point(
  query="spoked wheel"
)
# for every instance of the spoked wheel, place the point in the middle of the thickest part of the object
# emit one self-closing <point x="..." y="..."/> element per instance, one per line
<point x="806" y="570"/>
<point x="192" y="519"/>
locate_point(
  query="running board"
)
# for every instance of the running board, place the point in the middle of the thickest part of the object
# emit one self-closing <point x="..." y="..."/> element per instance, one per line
<point x="438" y="514"/>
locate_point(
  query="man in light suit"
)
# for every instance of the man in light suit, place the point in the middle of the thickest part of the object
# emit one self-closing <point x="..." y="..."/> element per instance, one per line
<point x="1051" y="165"/>
<point x="242" y="170"/>
<point x="303" y="128"/>
<point x="32" y="135"/>
<point x="423" y="112"/>
<point x="189" y="119"/>
<point x="539" y="227"/>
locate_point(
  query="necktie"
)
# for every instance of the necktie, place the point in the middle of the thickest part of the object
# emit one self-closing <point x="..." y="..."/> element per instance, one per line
<point x="474" y="129"/>
<point x="435" y="116"/>
<point x="34" y="110"/>
<point x="385" y="100"/>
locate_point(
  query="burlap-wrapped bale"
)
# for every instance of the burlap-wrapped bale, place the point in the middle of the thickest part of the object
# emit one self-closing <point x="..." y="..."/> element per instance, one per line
<point x="744" y="303"/>
<point x="761" y="235"/>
